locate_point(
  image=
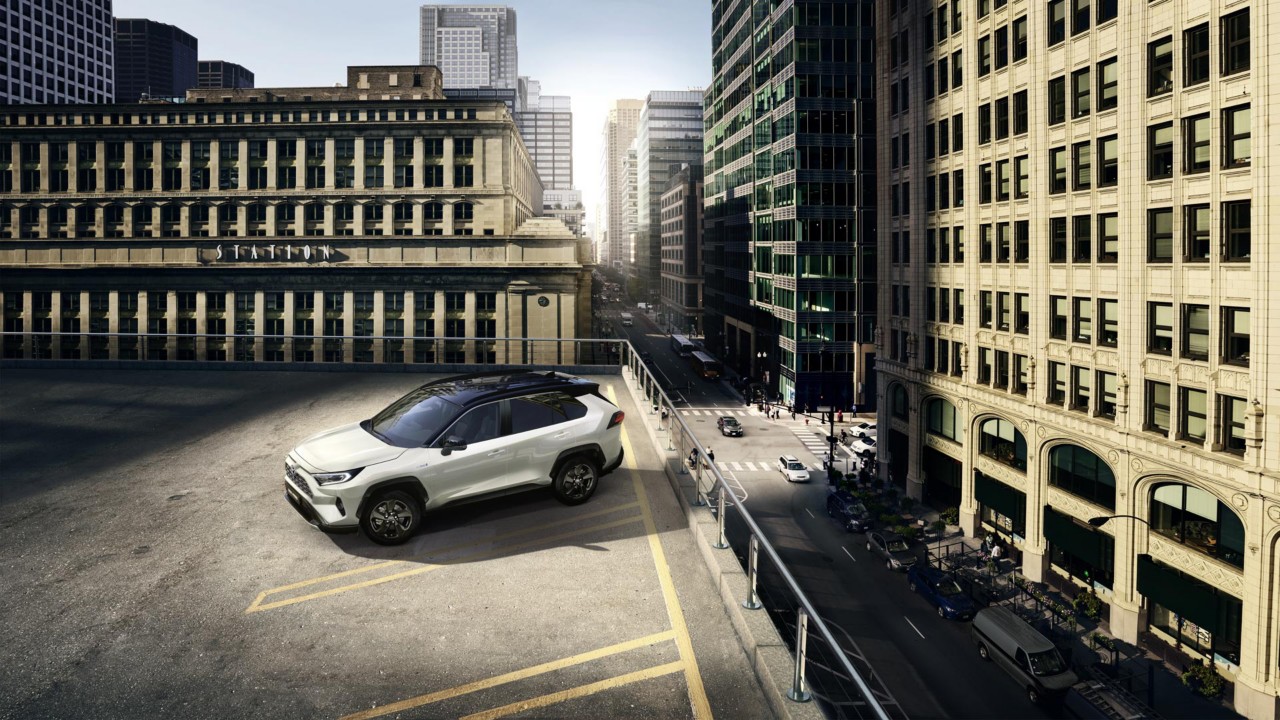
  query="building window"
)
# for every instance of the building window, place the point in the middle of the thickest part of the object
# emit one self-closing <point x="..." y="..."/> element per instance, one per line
<point x="1057" y="384"/>
<point x="1082" y="165"/>
<point x="1235" y="335"/>
<point x="898" y="404"/>
<point x="1160" y="328"/>
<point x="1001" y="441"/>
<point x="1080" y="85"/>
<point x="1198" y="520"/>
<point x="1021" y="241"/>
<point x="1236" y="137"/>
<point x="941" y="419"/>
<point x="1079" y="16"/>
<point x="1021" y="375"/>
<point x="1195" y="139"/>
<point x="1022" y="177"/>
<point x="1160" y="66"/>
<point x="1082" y="474"/>
<point x="1081" y="238"/>
<point x="1108" y="161"/>
<point x="984" y="123"/>
<point x="1057" y="21"/>
<point x="1057" y="170"/>
<point x="1022" y="313"/>
<point x="1057" y="317"/>
<point x="1195" y="230"/>
<point x="984" y="366"/>
<point x="1108" y="84"/>
<point x="1019" y="113"/>
<point x="1002" y="118"/>
<point x="984" y="56"/>
<point x="1194" y="415"/>
<point x="1195" y="50"/>
<point x="1160" y="151"/>
<point x="1235" y="42"/>
<point x="1157" y="415"/>
<point x="1019" y="32"/>
<point x="1109" y="315"/>
<point x="1195" y="332"/>
<point x="984" y="308"/>
<point x="1160" y="235"/>
<point x="1237" y="229"/>
<point x="1106" y="395"/>
<point x="1082" y="320"/>
<point x="1057" y="240"/>
<point x="1108" y="237"/>
<point x="1231" y="424"/>
<point x="1057" y="100"/>
<point x="1081" y="388"/>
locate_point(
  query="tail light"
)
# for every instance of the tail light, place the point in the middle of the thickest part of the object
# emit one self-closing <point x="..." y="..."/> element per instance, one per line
<point x="616" y="419"/>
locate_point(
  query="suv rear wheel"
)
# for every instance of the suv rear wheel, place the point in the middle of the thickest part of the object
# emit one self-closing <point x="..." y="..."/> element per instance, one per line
<point x="576" y="481"/>
<point x="392" y="518"/>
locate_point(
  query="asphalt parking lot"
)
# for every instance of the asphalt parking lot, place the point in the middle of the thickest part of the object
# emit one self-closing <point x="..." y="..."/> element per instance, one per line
<point x="154" y="569"/>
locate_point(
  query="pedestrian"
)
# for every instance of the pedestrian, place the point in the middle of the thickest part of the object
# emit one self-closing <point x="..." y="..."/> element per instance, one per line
<point x="693" y="458"/>
<point x="826" y="460"/>
<point x="844" y="436"/>
<point x="711" y="456"/>
<point x="995" y="551"/>
<point x="664" y="418"/>
<point x="840" y="416"/>
<point x="793" y="412"/>
<point x="806" y="419"/>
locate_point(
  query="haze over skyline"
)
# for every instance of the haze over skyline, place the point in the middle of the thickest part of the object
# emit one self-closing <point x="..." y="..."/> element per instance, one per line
<point x="594" y="52"/>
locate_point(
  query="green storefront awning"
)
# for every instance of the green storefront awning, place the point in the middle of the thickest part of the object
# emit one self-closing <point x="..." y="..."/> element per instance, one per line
<point x="1181" y="593"/>
<point x="1075" y="539"/>
<point x="1000" y="497"/>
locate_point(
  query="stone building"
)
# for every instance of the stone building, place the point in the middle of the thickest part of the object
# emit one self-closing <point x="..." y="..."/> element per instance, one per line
<point x="270" y="224"/>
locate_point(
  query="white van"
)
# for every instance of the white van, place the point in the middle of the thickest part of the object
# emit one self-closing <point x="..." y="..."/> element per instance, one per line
<point x="626" y="319"/>
<point x="1025" y="654"/>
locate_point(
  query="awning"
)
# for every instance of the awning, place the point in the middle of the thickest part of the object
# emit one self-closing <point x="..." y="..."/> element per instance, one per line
<point x="1000" y="497"/>
<point x="1181" y="593"/>
<point x="1078" y="540"/>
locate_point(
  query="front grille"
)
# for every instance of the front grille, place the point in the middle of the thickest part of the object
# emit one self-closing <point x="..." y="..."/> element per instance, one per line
<point x="295" y="478"/>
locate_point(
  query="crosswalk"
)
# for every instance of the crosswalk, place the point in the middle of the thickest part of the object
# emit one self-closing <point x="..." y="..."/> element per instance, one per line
<point x="688" y="412"/>
<point x="755" y="466"/>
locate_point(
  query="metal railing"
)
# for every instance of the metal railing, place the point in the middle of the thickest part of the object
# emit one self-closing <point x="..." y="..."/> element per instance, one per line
<point x="827" y="667"/>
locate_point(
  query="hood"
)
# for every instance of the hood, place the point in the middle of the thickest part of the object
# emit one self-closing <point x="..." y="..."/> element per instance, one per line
<point x="1059" y="682"/>
<point x="345" y="448"/>
<point x="905" y="557"/>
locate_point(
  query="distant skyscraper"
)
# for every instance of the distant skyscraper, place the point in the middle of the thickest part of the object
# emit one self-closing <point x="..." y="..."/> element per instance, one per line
<point x="668" y="136"/>
<point x="473" y="45"/>
<point x="619" y="131"/>
<point x="59" y="53"/>
<point x="546" y="124"/>
<point x="220" y="73"/>
<point x="153" y="59"/>
<point x="681" y="293"/>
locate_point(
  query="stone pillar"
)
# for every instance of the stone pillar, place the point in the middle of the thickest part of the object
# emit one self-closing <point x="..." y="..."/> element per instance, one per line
<point x="379" y="324"/>
<point x="348" y="312"/>
<point x="1257" y="688"/>
<point x="915" y="450"/>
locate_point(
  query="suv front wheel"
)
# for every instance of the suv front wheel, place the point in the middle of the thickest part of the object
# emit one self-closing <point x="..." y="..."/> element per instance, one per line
<point x="392" y="518"/>
<point x="576" y="481"/>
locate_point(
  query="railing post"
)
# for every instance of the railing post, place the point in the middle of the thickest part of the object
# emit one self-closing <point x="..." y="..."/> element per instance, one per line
<point x="721" y="543"/>
<point x="753" y="600"/>
<point x="797" y="693"/>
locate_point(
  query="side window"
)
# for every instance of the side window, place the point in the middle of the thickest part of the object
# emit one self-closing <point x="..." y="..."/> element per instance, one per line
<point x="479" y="424"/>
<point x="1023" y="661"/>
<point x="538" y="411"/>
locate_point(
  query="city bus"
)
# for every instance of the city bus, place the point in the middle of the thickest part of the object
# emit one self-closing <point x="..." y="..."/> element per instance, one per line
<point x="707" y="367"/>
<point x="683" y="346"/>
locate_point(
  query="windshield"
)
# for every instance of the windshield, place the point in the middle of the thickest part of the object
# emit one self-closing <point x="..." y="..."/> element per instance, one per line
<point x="730" y="422"/>
<point x="1048" y="662"/>
<point x="414" y="419"/>
<point x="897" y="546"/>
<point x="949" y="588"/>
<point x="795" y="466"/>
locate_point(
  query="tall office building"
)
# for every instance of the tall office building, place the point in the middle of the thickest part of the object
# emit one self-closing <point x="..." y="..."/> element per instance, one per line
<point x="60" y="52"/>
<point x="1068" y="289"/>
<point x="790" y="224"/>
<point x="223" y="74"/>
<point x="681" y="213"/>
<point x="668" y="136"/>
<point x="153" y="60"/>
<point x="473" y="45"/>
<point x="617" y="135"/>
<point x="546" y="124"/>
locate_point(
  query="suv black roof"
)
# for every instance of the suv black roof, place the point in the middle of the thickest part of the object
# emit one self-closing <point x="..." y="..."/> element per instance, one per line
<point x="475" y="388"/>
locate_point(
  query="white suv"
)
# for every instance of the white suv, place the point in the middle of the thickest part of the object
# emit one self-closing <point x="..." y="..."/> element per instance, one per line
<point x="458" y="439"/>
<point x="792" y="469"/>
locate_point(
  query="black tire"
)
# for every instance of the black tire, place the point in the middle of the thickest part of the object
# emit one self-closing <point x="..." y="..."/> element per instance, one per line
<point x="1033" y="695"/>
<point x="868" y="546"/>
<point x="941" y="613"/>
<point x="392" y="518"/>
<point x="577" y="480"/>
<point x="983" y="652"/>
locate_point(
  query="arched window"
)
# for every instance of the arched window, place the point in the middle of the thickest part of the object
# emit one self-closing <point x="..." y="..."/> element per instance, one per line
<point x="1199" y="520"/>
<point x="1001" y="441"/>
<point x="898" y="401"/>
<point x="463" y="211"/>
<point x="402" y="212"/>
<point x="433" y="211"/>
<point x="1084" y="474"/>
<point x="941" y="419"/>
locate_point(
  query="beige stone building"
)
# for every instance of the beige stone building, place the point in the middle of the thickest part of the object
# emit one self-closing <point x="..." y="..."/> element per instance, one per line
<point x="283" y="225"/>
<point x="1074" y="321"/>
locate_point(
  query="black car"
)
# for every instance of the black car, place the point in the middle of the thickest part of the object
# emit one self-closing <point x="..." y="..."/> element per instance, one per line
<point x="848" y="511"/>
<point x="729" y="426"/>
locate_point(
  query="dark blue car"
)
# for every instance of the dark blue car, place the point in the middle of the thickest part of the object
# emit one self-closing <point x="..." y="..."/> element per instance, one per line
<point x="851" y="514"/>
<point x="942" y="591"/>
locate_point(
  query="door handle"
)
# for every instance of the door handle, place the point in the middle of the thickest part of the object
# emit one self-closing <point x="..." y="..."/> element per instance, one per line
<point x="560" y="435"/>
<point x="499" y="451"/>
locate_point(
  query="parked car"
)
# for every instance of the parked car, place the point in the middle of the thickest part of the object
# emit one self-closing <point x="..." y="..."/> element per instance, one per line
<point x="729" y="426"/>
<point x="848" y="511"/>
<point x="457" y="439"/>
<point x="863" y="447"/>
<point x="863" y="430"/>
<point x="942" y="591"/>
<point x="892" y="548"/>
<point x="1029" y="657"/>
<point x="792" y="469"/>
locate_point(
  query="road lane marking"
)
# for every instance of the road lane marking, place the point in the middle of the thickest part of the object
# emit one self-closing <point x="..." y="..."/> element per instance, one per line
<point x="259" y="606"/>
<point x="693" y="679"/>
<point x="580" y="691"/>
<point x="447" y="549"/>
<point x="513" y="676"/>
<point x="913" y="627"/>
<point x="846" y="552"/>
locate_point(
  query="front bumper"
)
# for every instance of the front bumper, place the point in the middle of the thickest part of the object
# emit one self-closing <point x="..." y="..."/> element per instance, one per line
<point x="320" y="507"/>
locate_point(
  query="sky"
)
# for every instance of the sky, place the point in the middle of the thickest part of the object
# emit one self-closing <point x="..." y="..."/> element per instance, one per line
<point x="594" y="51"/>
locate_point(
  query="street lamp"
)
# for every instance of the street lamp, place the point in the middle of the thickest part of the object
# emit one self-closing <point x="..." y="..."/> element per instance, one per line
<point x="1102" y="520"/>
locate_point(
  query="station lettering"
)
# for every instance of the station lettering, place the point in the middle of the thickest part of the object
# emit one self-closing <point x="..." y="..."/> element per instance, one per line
<point x="274" y="251"/>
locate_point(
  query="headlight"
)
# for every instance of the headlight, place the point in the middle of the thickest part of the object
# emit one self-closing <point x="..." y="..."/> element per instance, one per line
<point x="896" y="563"/>
<point x="335" y="478"/>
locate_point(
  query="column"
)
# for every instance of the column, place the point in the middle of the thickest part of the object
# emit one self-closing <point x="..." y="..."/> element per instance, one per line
<point x="1257" y="684"/>
<point x="348" y="310"/>
<point x="379" y="315"/>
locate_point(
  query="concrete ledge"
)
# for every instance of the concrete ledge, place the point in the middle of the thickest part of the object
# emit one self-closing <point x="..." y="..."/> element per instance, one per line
<point x="769" y="655"/>
<point x="423" y="368"/>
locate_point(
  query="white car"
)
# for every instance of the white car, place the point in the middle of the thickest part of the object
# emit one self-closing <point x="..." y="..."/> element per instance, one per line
<point x="792" y="469"/>
<point x="461" y="438"/>
<point x="863" y="447"/>
<point x="863" y="429"/>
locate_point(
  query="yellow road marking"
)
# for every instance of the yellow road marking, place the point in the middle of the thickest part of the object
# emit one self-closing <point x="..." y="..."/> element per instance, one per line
<point x="580" y="691"/>
<point x="257" y="602"/>
<point x="697" y="693"/>
<point x="492" y="552"/>
<point x="512" y="676"/>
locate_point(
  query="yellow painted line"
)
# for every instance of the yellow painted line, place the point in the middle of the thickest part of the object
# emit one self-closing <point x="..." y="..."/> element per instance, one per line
<point x="258" y="601"/>
<point x="492" y="552"/>
<point x="580" y="691"/>
<point x="528" y="672"/>
<point x="697" y="693"/>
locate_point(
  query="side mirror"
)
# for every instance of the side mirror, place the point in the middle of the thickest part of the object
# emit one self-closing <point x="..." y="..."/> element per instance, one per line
<point x="451" y="443"/>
